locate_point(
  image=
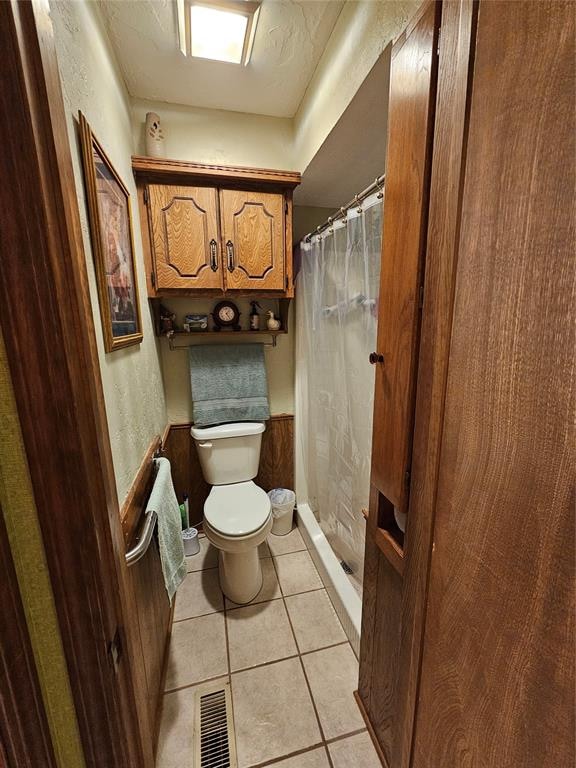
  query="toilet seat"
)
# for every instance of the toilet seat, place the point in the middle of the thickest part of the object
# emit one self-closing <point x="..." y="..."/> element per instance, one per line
<point x="238" y="509"/>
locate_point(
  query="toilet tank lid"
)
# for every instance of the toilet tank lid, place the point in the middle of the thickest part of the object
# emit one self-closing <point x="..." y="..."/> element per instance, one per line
<point x="236" y="429"/>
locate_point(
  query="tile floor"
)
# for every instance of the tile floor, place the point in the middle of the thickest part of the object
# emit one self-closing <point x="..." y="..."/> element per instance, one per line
<point x="291" y="668"/>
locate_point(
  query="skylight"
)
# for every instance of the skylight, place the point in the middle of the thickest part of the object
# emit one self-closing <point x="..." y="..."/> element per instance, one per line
<point x="222" y="30"/>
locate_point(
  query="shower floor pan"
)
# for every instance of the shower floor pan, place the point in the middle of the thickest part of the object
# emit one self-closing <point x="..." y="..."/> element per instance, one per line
<point x="345" y="598"/>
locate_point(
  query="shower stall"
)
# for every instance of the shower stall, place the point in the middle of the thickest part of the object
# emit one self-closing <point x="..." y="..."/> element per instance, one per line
<point x="336" y="318"/>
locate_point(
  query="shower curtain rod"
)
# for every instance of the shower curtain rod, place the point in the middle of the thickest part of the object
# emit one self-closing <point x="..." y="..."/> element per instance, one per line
<point x="378" y="183"/>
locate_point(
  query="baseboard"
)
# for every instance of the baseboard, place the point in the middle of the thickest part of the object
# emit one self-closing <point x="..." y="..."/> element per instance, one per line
<point x="366" y="719"/>
<point x="344" y="597"/>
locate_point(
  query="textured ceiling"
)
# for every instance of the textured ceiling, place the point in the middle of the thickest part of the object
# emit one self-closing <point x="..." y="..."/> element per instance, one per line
<point x="354" y="152"/>
<point x="289" y="41"/>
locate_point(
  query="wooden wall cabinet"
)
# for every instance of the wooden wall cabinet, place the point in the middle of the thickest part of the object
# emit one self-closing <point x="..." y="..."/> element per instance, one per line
<point x="210" y="230"/>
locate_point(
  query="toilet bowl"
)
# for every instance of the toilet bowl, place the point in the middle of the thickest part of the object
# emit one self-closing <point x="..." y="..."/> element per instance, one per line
<point x="237" y="513"/>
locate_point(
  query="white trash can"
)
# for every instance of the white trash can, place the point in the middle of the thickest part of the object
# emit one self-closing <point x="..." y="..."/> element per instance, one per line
<point x="282" y="501"/>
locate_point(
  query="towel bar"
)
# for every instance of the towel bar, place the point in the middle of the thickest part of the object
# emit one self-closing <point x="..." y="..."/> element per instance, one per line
<point x="240" y="334"/>
<point x="144" y="538"/>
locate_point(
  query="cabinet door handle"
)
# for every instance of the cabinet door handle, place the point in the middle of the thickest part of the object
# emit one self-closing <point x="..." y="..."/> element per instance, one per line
<point x="374" y="358"/>
<point x="213" y="255"/>
<point x="230" y="255"/>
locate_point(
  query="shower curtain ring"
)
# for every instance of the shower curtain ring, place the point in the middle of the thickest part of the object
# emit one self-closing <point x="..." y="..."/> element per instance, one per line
<point x="357" y="201"/>
<point x="379" y="186"/>
<point x="344" y="214"/>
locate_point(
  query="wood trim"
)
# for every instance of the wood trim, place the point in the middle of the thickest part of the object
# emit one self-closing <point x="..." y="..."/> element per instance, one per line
<point x="288" y="254"/>
<point x="146" y="234"/>
<point x="47" y="324"/>
<point x="399" y="41"/>
<point x="391" y="550"/>
<point x="24" y="733"/>
<point x="133" y="505"/>
<point x="161" y="170"/>
<point x="370" y="730"/>
<point x="369" y="599"/>
<point x="447" y="177"/>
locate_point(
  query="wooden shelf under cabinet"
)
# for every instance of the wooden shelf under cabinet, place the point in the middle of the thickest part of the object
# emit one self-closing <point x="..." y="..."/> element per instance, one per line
<point x="390" y="548"/>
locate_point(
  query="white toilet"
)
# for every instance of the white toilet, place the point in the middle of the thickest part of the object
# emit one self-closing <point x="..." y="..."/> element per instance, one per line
<point x="237" y="513"/>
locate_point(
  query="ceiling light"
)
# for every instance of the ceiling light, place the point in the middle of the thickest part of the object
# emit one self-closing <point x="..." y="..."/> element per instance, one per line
<point x="222" y="30"/>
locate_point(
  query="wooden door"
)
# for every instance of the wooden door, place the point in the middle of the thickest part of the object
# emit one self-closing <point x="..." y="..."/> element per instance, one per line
<point x="411" y="112"/>
<point x="497" y="677"/>
<point x="185" y="237"/>
<point x="253" y="240"/>
<point x="411" y="119"/>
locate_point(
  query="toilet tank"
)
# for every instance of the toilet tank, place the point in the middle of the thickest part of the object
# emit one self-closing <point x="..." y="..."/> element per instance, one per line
<point x="229" y="453"/>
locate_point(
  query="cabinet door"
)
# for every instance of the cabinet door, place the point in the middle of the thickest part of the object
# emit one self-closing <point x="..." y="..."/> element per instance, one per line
<point x="185" y="237"/>
<point x="410" y="121"/>
<point x="253" y="240"/>
<point x="412" y="97"/>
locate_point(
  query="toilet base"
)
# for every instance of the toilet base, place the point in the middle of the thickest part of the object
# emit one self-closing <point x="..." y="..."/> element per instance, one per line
<point x="239" y="566"/>
<point x="240" y="575"/>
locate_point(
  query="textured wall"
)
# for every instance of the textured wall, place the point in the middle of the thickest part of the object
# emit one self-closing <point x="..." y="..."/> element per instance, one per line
<point x="306" y="218"/>
<point x="132" y="378"/>
<point x="218" y="136"/>
<point x="362" y="32"/>
<point x="19" y="509"/>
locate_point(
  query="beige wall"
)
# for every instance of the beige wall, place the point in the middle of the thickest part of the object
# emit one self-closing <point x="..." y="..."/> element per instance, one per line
<point x="362" y="32"/>
<point x="306" y="218"/>
<point x="217" y="136"/>
<point x="91" y="82"/>
<point x="25" y="537"/>
<point x="175" y="366"/>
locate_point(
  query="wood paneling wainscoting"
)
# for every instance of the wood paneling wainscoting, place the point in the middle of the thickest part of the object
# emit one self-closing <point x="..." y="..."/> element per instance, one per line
<point x="150" y="611"/>
<point x="186" y="473"/>
<point x="276" y="462"/>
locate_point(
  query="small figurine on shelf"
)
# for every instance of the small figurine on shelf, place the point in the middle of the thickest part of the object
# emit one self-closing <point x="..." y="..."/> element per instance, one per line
<point x="167" y="320"/>
<point x="273" y="323"/>
<point x="254" y="316"/>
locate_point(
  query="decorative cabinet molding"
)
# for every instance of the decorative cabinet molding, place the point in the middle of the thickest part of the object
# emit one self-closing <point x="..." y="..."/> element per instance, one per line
<point x="234" y="235"/>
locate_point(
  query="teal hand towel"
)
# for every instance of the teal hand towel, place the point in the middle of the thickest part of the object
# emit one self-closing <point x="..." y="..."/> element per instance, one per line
<point x="228" y="383"/>
<point x="164" y="502"/>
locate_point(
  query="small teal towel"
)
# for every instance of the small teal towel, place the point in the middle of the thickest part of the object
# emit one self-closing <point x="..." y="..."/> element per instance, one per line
<point x="164" y="502"/>
<point x="228" y="383"/>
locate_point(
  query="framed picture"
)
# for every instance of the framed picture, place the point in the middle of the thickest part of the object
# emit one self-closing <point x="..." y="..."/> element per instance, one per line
<point x="110" y="218"/>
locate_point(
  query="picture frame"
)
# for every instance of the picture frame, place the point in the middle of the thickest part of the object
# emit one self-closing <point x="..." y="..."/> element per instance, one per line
<point x="110" y="218"/>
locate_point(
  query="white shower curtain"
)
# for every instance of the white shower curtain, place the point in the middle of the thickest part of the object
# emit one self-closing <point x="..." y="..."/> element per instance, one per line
<point x="336" y="314"/>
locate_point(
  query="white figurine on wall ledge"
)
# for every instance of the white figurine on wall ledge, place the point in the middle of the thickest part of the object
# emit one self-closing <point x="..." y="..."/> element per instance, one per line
<point x="155" y="146"/>
<point x="273" y="323"/>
